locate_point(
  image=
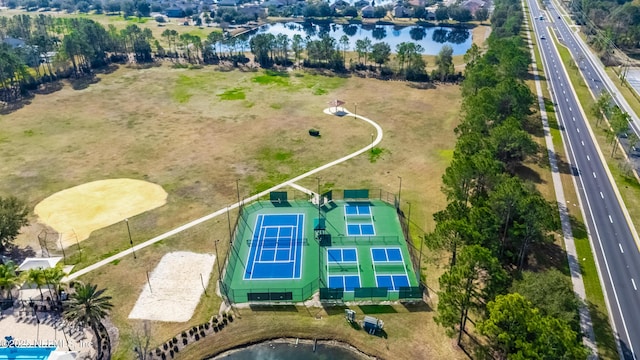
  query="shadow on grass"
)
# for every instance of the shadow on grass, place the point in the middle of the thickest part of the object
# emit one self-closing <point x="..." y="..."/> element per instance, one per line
<point x="422" y="86"/>
<point x="273" y="307"/>
<point x="83" y="82"/>
<point x="548" y="256"/>
<point x="334" y="309"/>
<point x="417" y="306"/>
<point x="8" y="108"/>
<point x="526" y="173"/>
<point x="604" y="334"/>
<point x="377" y="309"/>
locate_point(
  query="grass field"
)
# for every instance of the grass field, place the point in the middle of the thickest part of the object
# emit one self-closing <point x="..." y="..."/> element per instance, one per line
<point x="191" y="132"/>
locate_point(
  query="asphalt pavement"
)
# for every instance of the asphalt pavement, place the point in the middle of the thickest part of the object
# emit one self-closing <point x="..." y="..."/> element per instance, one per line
<point x="611" y="236"/>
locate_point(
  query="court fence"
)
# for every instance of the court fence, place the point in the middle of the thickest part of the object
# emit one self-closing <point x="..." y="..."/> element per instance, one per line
<point x="275" y="294"/>
<point x="298" y="294"/>
<point x="372" y="294"/>
<point x="364" y="240"/>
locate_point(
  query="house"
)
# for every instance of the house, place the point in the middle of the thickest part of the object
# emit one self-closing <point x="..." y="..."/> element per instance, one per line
<point x="227" y="2"/>
<point x="472" y="5"/>
<point x="13" y="42"/>
<point x="175" y="12"/>
<point x="274" y="3"/>
<point x="253" y="10"/>
<point x="400" y="11"/>
<point x="367" y="11"/>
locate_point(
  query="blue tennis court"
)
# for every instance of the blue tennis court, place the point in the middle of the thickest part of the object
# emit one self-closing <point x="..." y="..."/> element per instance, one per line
<point x="392" y="282"/>
<point x="360" y="230"/>
<point x="276" y="247"/>
<point x="352" y="210"/>
<point x="346" y="282"/>
<point x="382" y="255"/>
<point x="342" y="256"/>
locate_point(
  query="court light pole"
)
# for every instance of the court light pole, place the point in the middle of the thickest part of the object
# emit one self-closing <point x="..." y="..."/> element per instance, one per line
<point x="215" y="245"/>
<point x="399" y="190"/>
<point x="130" y="239"/>
<point x="355" y="112"/>
<point x="238" y="189"/>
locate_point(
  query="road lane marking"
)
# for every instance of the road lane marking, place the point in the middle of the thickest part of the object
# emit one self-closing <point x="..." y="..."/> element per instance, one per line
<point x="634" y="284"/>
<point x="570" y="108"/>
<point x="582" y="142"/>
<point x="620" y="245"/>
<point x="588" y="158"/>
<point x="594" y="175"/>
<point x="578" y="129"/>
<point x="601" y="195"/>
<point x="610" y="219"/>
<point x="573" y="118"/>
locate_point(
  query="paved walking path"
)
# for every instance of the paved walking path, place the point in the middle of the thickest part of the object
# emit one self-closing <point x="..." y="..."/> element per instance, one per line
<point x="333" y="111"/>
<point x="574" y="266"/>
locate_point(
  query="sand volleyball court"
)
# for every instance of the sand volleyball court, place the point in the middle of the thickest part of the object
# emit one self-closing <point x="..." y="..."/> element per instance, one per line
<point x="174" y="287"/>
<point x="78" y="211"/>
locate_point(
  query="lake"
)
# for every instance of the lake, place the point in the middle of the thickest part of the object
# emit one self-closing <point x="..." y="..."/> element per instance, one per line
<point x="431" y="39"/>
<point x="289" y="351"/>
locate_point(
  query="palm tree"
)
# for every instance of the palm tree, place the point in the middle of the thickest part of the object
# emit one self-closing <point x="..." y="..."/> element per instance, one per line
<point x="53" y="276"/>
<point x="8" y="278"/>
<point x="88" y="306"/>
<point x="36" y="277"/>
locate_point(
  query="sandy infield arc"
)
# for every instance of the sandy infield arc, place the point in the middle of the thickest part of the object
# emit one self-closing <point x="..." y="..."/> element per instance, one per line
<point x="77" y="211"/>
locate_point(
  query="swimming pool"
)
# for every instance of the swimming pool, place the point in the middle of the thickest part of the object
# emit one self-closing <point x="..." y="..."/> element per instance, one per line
<point x="25" y="353"/>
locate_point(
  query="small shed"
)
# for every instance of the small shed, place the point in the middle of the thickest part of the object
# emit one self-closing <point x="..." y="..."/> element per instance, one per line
<point x="372" y="325"/>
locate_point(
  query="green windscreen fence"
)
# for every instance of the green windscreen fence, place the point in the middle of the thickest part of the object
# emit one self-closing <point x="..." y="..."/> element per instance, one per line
<point x="356" y="194"/>
<point x="331" y="294"/>
<point x="328" y="195"/>
<point x="270" y="296"/>
<point x="410" y="292"/>
<point x="370" y="292"/>
<point x="278" y="196"/>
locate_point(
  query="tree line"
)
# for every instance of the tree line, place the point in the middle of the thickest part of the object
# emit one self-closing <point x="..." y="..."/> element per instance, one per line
<point x="51" y="48"/>
<point x="494" y="218"/>
<point x="609" y="22"/>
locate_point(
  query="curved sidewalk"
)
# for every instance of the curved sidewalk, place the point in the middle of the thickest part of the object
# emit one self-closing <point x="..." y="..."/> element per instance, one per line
<point x="339" y="111"/>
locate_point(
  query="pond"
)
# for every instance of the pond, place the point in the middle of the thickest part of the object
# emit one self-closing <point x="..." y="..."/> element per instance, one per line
<point x="285" y="350"/>
<point x="430" y="38"/>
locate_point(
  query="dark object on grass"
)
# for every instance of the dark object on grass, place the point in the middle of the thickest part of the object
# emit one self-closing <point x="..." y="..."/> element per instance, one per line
<point x="314" y="132"/>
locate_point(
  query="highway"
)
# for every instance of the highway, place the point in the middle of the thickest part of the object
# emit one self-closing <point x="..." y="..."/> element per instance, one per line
<point x="614" y="247"/>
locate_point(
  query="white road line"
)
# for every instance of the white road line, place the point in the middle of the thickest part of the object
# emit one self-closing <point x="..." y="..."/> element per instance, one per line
<point x="601" y="195"/>
<point x="634" y="284"/>
<point x="594" y="175"/>
<point x="570" y="108"/>
<point x="588" y="158"/>
<point x="573" y="118"/>
<point x="578" y="129"/>
<point x="620" y="246"/>
<point x="610" y="219"/>
<point x="582" y="142"/>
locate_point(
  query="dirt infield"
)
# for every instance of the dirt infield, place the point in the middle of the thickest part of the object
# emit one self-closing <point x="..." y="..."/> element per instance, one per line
<point x="77" y="211"/>
<point x="174" y="287"/>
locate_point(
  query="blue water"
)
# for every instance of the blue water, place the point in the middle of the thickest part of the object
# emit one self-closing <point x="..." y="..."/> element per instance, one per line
<point x="25" y="353"/>
<point x="280" y="351"/>
<point x="431" y="39"/>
